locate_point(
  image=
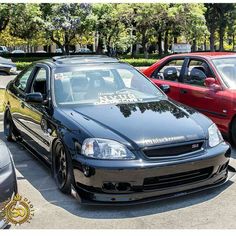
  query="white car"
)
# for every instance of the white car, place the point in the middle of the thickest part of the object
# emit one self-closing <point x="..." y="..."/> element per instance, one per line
<point x="17" y="51"/>
<point x="41" y="51"/>
<point x="3" y="49"/>
<point x="84" y="50"/>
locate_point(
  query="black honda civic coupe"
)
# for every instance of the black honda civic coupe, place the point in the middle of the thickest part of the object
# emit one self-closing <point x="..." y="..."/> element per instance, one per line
<point x="110" y="135"/>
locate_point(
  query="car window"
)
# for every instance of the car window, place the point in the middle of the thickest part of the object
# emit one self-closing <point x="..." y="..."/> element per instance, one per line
<point x="102" y="84"/>
<point x="40" y="82"/>
<point x="22" y="80"/>
<point x="196" y="73"/>
<point x="226" y="67"/>
<point x="170" y="71"/>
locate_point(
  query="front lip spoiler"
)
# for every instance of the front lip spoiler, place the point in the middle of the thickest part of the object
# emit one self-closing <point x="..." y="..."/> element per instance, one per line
<point x="3" y="224"/>
<point x="231" y="173"/>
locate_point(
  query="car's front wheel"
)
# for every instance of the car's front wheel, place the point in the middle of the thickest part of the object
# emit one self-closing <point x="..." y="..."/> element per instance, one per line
<point x="8" y="126"/>
<point x="62" y="167"/>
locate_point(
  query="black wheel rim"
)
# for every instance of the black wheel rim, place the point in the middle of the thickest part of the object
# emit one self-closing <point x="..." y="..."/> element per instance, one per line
<point x="60" y="165"/>
<point x="7" y="127"/>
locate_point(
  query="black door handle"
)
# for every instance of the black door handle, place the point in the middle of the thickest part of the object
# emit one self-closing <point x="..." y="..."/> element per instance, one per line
<point x="183" y="91"/>
<point x="22" y="104"/>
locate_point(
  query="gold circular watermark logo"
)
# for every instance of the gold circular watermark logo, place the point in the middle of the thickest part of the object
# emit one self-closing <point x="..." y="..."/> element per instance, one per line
<point x="18" y="210"/>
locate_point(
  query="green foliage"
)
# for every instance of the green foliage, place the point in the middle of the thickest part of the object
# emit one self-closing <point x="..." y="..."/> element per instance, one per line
<point x="22" y="65"/>
<point x="4" y="15"/>
<point x="133" y="61"/>
<point x="25" y="20"/>
<point x="62" y="22"/>
<point x="139" y="62"/>
<point x="123" y="26"/>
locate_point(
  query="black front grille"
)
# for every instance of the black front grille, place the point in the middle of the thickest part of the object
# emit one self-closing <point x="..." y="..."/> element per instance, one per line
<point x="173" y="150"/>
<point x="168" y="181"/>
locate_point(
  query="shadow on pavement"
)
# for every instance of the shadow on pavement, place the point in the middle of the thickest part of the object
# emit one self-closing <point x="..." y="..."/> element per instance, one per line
<point x="39" y="176"/>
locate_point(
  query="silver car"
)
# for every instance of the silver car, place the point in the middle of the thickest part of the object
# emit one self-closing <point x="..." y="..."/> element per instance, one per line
<point x="8" y="183"/>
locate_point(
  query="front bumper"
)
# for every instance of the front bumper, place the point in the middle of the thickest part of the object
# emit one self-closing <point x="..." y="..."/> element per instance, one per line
<point x="137" y="181"/>
<point x="8" y="183"/>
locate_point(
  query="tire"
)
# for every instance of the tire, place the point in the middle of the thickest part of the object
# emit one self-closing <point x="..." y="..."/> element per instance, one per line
<point x="233" y="132"/>
<point x="3" y="73"/>
<point x="8" y="127"/>
<point x="62" y="167"/>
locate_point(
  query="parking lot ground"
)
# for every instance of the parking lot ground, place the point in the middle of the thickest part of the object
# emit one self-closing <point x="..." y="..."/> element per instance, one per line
<point x="214" y="208"/>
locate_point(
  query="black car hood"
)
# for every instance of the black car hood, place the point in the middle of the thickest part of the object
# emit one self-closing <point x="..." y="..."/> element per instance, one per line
<point x="145" y="124"/>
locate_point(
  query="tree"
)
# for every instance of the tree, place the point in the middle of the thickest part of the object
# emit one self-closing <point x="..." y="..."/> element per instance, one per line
<point x="25" y="20"/>
<point x="63" y="21"/>
<point x="107" y="24"/>
<point x="4" y="15"/>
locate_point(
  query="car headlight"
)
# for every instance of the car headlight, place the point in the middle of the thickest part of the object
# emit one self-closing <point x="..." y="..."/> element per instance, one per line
<point x="105" y="149"/>
<point x="215" y="136"/>
<point x="13" y="69"/>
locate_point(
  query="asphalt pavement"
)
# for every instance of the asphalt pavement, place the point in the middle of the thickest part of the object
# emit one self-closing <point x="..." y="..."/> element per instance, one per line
<point x="214" y="209"/>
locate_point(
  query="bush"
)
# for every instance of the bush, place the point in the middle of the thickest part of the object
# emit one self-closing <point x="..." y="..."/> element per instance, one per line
<point x="139" y="62"/>
<point x="21" y="64"/>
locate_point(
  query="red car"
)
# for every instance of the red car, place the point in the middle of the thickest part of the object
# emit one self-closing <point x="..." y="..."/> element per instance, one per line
<point x="204" y="81"/>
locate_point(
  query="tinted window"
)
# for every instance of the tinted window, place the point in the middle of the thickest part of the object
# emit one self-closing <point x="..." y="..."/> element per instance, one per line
<point x="170" y="71"/>
<point x="105" y="84"/>
<point x="21" y="82"/>
<point x="40" y="82"/>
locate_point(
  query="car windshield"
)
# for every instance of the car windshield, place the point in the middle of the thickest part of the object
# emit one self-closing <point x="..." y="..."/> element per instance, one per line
<point x="227" y="70"/>
<point x="102" y="84"/>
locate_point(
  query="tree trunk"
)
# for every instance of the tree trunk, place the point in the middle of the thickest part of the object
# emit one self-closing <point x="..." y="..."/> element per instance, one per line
<point x="144" y="44"/>
<point x="233" y="43"/>
<point x="57" y="42"/>
<point x="221" y="38"/>
<point x="100" y="45"/>
<point x="166" y="40"/>
<point x="175" y="39"/>
<point x="212" y="41"/>
<point x="159" y="44"/>
<point x="194" y="46"/>
<point x="67" y="44"/>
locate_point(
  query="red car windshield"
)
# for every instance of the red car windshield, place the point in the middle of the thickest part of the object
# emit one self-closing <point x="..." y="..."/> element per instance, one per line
<point x="226" y="67"/>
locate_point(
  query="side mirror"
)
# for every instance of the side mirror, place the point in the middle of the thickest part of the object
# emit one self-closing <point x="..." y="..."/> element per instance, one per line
<point x="34" y="98"/>
<point x="165" y="88"/>
<point x="212" y="84"/>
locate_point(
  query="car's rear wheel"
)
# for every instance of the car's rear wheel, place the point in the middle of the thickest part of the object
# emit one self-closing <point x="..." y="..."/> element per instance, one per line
<point x="8" y="126"/>
<point x="62" y="167"/>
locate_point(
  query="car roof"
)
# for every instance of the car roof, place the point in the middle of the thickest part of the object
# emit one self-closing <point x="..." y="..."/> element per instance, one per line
<point x="82" y="59"/>
<point x="210" y="55"/>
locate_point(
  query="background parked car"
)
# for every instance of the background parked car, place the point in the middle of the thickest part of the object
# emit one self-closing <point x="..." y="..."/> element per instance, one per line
<point x="41" y="51"/>
<point x="7" y="67"/>
<point x="3" y="50"/>
<point x="17" y="51"/>
<point x="204" y="81"/>
<point x="83" y="50"/>
<point x="8" y="182"/>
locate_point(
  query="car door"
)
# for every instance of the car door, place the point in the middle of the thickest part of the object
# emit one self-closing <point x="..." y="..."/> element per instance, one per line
<point x="169" y="73"/>
<point x="37" y="116"/>
<point x="16" y="100"/>
<point x="195" y="94"/>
